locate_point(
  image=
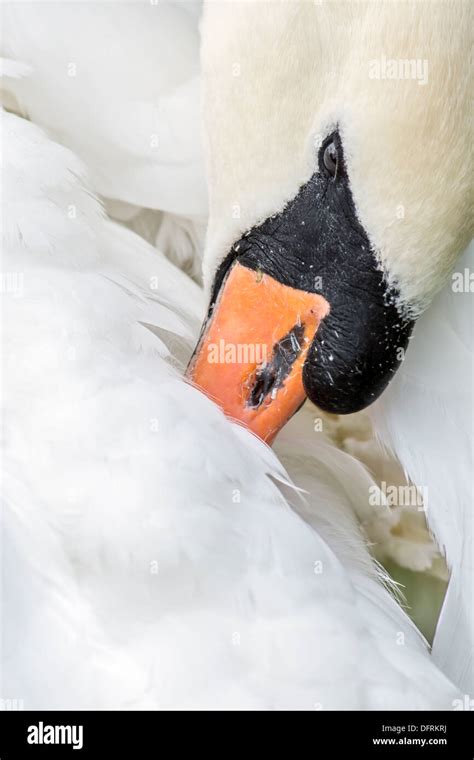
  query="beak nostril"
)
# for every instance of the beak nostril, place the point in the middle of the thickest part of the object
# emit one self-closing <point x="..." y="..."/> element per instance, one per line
<point x="270" y="377"/>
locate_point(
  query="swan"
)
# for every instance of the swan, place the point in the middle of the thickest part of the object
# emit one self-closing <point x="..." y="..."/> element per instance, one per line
<point x="155" y="554"/>
<point x="337" y="140"/>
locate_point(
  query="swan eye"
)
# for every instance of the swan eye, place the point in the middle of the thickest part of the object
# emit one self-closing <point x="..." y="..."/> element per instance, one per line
<point x="331" y="158"/>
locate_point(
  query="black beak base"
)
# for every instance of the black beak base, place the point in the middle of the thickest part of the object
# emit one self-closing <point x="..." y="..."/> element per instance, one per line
<point x="318" y="245"/>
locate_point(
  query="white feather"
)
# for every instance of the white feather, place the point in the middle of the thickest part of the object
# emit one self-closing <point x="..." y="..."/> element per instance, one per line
<point x="119" y="84"/>
<point x="426" y="417"/>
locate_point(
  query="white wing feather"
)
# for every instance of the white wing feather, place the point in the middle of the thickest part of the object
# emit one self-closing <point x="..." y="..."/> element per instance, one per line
<point x="127" y="104"/>
<point x="426" y="417"/>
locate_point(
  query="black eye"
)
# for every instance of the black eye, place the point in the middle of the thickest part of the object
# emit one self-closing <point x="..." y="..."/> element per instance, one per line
<point x="331" y="158"/>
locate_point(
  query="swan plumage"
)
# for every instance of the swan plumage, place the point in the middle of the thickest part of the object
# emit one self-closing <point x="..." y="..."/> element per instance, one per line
<point x="126" y="103"/>
<point x="425" y="417"/>
<point x="150" y="556"/>
<point x="155" y="555"/>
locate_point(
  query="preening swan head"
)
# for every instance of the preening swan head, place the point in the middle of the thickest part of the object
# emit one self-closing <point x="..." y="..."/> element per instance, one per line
<point x="339" y="179"/>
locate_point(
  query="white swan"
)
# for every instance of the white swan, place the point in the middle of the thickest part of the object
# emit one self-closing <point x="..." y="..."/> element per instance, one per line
<point x="129" y="577"/>
<point x="149" y="559"/>
<point x="333" y="130"/>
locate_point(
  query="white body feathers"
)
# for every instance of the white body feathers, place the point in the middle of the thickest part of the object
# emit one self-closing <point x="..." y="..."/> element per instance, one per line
<point x="149" y="559"/>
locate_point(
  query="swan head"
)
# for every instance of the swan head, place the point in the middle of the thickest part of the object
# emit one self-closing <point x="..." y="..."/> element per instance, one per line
<point x="339" y="179"/>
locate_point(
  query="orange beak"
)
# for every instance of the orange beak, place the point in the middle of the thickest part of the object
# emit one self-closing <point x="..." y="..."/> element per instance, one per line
<point x="251" y="353"/>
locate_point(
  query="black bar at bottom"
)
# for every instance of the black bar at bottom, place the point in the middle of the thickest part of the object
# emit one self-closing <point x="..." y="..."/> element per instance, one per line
<point x="151" y="734"/>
